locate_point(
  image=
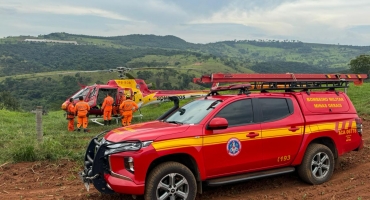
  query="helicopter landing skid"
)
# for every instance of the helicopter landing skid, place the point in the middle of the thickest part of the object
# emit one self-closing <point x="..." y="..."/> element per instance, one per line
<point x="95" y="120"/>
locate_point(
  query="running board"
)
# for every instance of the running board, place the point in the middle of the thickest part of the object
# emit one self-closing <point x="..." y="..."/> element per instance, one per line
<point x="249" y="176"/>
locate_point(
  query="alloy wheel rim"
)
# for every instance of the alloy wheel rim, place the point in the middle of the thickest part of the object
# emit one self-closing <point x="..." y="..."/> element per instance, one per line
<point x="172" y="186"/>
<point x="320" y="165"/>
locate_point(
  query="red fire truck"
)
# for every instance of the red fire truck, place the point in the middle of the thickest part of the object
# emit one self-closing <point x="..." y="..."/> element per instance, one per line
<point x="274" y="124"/>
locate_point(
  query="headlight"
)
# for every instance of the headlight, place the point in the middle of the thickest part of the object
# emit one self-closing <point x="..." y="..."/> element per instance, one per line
<point x="121" y="147"/>
<point x="125" y="146"/>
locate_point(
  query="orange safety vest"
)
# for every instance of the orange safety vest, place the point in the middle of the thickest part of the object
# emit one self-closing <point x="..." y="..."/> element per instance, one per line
<point x="82" y="108"/>
<point x="70" y="111"/>
<point x="108" y="102"/>
<point x="128" y="105"/>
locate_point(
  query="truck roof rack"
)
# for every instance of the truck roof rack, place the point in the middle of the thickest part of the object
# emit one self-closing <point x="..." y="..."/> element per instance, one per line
<point x="287" y="82"/>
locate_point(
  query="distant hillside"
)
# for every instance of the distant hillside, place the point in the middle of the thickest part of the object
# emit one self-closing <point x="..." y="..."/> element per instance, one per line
<point x="133" y="46"/>
<point x="146" y="41"/>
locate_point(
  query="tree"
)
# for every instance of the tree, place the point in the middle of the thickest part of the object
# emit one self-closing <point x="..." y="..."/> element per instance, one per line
<point x="361" y="64"/>
<point x="144" y="74"/>
<point x="9" y="102"/>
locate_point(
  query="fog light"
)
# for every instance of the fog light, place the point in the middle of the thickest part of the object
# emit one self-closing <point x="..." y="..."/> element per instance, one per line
<point x="129" y="164"/>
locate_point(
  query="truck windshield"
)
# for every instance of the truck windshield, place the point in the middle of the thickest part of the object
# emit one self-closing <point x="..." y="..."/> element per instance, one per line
<point x="193" y="112"/>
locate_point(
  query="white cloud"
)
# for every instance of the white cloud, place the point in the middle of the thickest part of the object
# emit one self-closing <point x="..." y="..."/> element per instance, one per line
<point x="300" y="18"/>
<point x="63" y="10"/>
<point x="321" y="21"/>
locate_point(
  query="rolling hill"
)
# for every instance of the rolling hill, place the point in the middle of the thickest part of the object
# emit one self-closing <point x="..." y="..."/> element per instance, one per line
<point x="32" y="71"/>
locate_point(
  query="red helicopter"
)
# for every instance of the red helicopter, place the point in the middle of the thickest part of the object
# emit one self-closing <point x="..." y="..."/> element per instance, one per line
<point x="137" y="89"/>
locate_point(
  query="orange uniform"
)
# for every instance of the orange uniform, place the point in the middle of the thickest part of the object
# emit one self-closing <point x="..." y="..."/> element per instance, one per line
<point x="127" y="108"/>
<point x="81" y="110"/>
<point x="116" y="109"/>
<point x="71" y="116"/>
<point x="107" y="108"/>
<point x="121" y="100"/>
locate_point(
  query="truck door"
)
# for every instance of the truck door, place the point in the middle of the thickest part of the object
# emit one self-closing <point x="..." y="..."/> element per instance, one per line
<point x="282" y="127"/>
<point x="237" y="148"/>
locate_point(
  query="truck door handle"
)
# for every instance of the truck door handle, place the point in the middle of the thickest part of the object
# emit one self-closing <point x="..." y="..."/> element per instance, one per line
<point x="252" y="134"/>
<point x="293" y="129"/>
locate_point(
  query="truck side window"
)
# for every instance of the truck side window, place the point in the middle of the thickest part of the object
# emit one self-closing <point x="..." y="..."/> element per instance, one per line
<point x="238" y="112"/>
<point x="274" y="108"/>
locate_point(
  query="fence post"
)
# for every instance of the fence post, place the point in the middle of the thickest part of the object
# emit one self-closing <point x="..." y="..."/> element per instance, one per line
<point x="39" y="124"/>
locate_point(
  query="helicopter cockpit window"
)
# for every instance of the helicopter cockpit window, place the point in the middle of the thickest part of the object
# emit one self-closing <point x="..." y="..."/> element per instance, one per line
<point x="82" y="92"/>
<point x="93" y="92"/>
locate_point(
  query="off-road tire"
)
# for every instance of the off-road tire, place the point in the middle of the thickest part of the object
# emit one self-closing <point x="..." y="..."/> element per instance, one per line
<point x="164" y="170"/>
<point x="310" y="166"/>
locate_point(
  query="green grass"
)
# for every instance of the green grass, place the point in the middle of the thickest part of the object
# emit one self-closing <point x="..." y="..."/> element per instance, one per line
<point x="359" y="96"/>
<point x="18" y="141"/>
<point x="18" y="136"/>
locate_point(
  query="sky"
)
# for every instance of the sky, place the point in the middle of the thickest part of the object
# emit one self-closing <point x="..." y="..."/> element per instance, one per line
<point x="345" y="22"/>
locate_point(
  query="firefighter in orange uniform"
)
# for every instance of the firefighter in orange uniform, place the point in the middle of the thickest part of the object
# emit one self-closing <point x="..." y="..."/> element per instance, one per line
<point x="121" y="100"/>
<point x="107" y="109"/>
<point x="128" y="107"/>
<point x="81" y="110"/>
<point x="71" y="115"/>
<point x="116" y="110"/>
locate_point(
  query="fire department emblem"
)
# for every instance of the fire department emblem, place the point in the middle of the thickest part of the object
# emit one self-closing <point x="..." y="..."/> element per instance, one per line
<point x="233" y="147"/>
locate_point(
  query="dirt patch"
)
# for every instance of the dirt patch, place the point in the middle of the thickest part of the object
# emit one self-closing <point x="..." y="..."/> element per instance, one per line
<point x="59" y="180"/>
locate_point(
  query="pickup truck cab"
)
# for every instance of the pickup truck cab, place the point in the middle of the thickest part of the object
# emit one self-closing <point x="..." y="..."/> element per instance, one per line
<point x="221" y="139"/>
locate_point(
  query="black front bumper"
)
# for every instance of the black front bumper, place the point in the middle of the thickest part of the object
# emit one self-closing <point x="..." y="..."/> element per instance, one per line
<point x="96" y="164"/>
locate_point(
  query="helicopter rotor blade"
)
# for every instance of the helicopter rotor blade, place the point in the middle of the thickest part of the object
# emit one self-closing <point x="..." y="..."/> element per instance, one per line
<point x="92" y="71"/>
<point x="177" y="68"/>
<point x="122" y="70"/>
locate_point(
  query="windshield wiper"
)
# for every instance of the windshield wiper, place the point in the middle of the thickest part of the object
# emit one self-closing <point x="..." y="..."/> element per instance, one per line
<point x="175" y="122"/>
<point x="213" y="104"/>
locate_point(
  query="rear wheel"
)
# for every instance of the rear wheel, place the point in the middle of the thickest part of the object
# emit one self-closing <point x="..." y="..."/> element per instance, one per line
<point x="172" y="181"/>
<point x="317" y="165"/>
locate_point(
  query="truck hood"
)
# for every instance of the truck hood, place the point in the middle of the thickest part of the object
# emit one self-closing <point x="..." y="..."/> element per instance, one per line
<point x="144" y="131"/>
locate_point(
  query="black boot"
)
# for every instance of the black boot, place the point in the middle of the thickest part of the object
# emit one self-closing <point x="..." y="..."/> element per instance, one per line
<point x="105" y="122"/>
<point x="110" y="122"/>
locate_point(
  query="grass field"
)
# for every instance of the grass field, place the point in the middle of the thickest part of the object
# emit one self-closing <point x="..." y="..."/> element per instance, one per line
<point x="18" y="131"/>
<point x="360" y="98"/>
<point x="18" y="140"/>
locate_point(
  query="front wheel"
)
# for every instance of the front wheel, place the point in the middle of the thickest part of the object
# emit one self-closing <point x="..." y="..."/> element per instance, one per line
<point x="172" y="181"/>
<point x="317" y="165"/>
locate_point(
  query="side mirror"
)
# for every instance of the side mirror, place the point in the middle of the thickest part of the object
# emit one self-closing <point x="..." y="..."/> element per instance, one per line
<point x="218" y="123"/>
